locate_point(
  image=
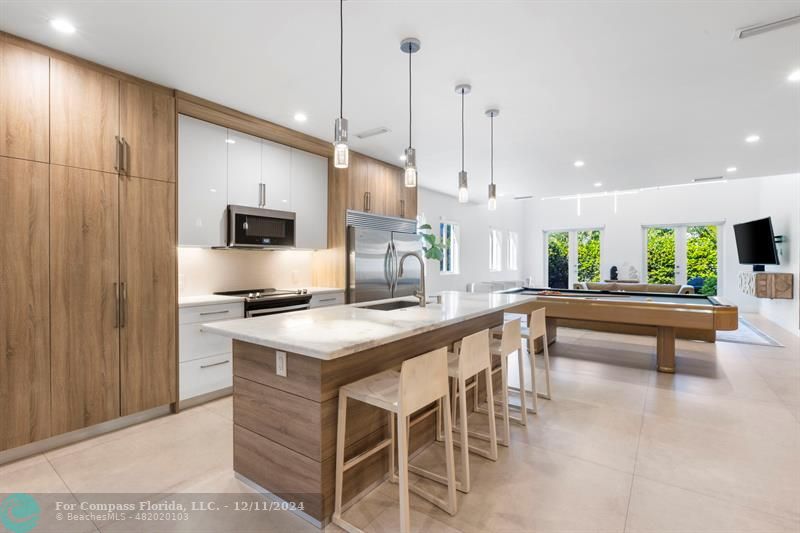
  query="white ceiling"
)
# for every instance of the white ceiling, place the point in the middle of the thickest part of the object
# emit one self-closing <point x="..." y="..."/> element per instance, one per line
<point x="646" y="93"/>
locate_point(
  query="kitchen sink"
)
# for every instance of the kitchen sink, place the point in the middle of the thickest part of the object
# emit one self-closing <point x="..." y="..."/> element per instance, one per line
<point x="391" y="306"/>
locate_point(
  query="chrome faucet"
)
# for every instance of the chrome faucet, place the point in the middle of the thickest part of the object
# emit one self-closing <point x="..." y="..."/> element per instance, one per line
<point x="420" y="294"/>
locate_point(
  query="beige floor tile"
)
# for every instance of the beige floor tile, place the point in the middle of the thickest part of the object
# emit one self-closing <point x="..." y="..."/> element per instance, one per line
<point x="222" y="407"/>
<point x="746" y="468"/>
<point x="598" y="391"/>
<point x="656" y="507"/>
<point x="32" y="475"/>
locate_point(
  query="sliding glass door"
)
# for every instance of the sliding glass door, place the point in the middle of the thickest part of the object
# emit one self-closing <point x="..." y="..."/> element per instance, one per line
<point x="683" y="254"/>
<point x="572" y="256"/>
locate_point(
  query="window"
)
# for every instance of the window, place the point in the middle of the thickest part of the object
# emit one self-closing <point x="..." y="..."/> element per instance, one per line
<point x="572" y="256"/>
<point x="495" y="250"/>
<point x="513" y="250"/>
<point x="448" y="231"/>
<point x="683" y="255"/>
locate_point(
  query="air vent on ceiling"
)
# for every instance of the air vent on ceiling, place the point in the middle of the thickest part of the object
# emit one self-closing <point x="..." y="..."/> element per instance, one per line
<point x="712" y="178"/>
<point x="528" y="197"/>
<point x="373" y="132"/>
<point x="756" y="29"/>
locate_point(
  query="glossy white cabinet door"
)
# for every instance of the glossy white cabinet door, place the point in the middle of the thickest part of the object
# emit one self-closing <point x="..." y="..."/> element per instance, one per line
<point x="202" y="182"/>
<point x="244" y="169"/>
<point x="310" y="199"/>
<point x="276" y="175"/>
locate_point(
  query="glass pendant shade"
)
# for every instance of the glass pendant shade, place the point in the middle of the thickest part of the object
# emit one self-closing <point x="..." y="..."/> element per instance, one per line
<point x="463" y="189"/>
<point x="492" y="197"/>
<point x="341" y="152"/>
<point x="411" y="168"/>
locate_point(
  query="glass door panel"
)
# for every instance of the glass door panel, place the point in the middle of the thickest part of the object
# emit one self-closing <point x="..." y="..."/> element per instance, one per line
<point x="702" y="259"/>
<point x="558" y="260"/>
<point x="588" y="267"/>
<point x="660" y="255"/>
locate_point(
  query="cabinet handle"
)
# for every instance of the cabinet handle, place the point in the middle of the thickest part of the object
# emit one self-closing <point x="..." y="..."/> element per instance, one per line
<point x="215" y="312"/>
<point x="225" y="362"/>
<point x="326" y="300"/>
<point x="402" y="208"/>
<point x="124" y="309"/>
<point x="117" y="154"/>
<point x="116" y="306"/>
<point x="367" y="202"/>
<point x="125" y="157"/>
<point x="262" y="195"/>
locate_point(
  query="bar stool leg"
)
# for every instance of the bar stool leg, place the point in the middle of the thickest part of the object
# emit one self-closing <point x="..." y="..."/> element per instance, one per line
<point x="402" y="452"/>
<point x="523" y="403"/>
<point x="392" y="448"/>
<point x="546" y="367"/>
<point x="463" y="432"/>
<point x="506" y="440"/>
<point x="450" y="458"/>
<point x="532" y="359"/>
<point x="492" y="422"/>
<point x="340" y="434"/>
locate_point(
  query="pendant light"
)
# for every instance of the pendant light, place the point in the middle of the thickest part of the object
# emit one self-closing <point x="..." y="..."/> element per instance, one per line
<point x="463" y="190"/>
<point x="491" y="113"/>
<point x="341" y="152"/>
<point x="410" y="46"/>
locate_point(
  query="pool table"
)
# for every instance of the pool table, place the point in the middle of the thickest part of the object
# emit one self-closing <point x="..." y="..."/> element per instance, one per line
<point x="663" y="315"/>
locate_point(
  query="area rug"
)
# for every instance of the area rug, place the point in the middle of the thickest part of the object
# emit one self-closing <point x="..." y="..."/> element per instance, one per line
<point x="747" y="334"/>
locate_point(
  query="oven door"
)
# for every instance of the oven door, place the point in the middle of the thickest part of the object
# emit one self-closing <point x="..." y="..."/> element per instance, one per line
<point x="250" y="227"/>
<point x="252" y="313"/>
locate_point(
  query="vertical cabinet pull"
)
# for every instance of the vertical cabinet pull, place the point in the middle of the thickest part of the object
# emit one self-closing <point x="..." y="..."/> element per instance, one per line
<point x="125" y="155"/>
<point x="262" y="195"/>
<point x="124" y="308"/>
<point x="367" y="202"/>
<point x="402" y="208"/>
<point x="116" y="306"/>
<point x="117" y="154"/>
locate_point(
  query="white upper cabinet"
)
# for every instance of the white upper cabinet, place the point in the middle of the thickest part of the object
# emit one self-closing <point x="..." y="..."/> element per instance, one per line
<point x="276" y="163"/>
<point x="244" y="170"/>
<point x="309" y="187"/>
<point x="202" y="182"/>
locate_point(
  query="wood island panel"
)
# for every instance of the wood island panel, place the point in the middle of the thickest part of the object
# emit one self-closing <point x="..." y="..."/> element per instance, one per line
<point x="285" y="427"/>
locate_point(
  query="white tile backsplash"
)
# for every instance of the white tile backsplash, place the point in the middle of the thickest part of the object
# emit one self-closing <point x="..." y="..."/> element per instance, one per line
<point x="204" y="271"/>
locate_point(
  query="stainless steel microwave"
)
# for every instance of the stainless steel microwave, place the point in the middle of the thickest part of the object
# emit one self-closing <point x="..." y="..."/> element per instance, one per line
<point x="252" y="227"/>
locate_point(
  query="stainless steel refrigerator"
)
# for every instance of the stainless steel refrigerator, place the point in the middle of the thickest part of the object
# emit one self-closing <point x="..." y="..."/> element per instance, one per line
<point x="375" y="245"/>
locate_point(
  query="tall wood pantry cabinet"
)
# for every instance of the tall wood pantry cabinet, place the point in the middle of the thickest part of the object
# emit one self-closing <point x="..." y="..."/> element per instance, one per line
<point x="88" y="267"/>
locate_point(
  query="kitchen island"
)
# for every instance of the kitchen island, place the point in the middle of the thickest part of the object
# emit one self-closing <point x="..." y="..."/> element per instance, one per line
<point x="287" y="372"/>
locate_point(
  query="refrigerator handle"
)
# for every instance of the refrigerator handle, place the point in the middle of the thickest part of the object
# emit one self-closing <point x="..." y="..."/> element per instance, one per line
<point x="387" y="267"/>
<point x="395" y="267"/>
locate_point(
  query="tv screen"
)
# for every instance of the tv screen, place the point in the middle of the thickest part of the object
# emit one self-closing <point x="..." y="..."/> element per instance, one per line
<point x="755" y="242"/>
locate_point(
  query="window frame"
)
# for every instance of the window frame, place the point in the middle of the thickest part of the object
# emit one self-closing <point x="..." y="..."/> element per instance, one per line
<point x="512" y="249"/>
<point x="454" y="250"/>
<point x="495" y="250"/>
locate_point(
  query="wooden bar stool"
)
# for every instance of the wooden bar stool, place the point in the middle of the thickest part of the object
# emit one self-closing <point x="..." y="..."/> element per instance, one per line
<point x="470" y="358"/>
<point x="420" y="382"/>
<point x="537" y="328"/>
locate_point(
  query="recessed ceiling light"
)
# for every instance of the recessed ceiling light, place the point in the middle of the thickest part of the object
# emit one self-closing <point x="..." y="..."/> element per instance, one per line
<point x="230" y="141"/>
<point x="752" y="138"/>
<point x="300" y="117"/>
<point x="402" y="157"/>
<point x="598" y="183"/>
<point x="794" y="76"/>
<point x="730" y="169"/>
<point x="579" y="163"/>
<point x="64" y="26"/>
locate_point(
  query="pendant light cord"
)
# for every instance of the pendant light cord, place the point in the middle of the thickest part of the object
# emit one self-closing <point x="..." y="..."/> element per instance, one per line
<point x="341" y="59"/>
<point x="491" y="158"/>
<point x="462" y="130"/>
<point x="409" y="99"/>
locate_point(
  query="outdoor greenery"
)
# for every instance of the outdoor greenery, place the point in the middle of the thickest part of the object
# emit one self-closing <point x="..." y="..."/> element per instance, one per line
<point x="558" y="260"/>
<point x="660" y="255"/>
<point x="433" y="246"/>
<point x="701" y="258"/>
<point x="589" y="255"/>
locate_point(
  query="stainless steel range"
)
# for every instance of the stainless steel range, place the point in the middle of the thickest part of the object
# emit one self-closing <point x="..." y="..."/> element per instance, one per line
<point x="260" y="302"/>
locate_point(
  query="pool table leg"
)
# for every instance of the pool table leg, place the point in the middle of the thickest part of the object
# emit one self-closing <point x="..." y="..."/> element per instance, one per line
<point x="665" y="349"/>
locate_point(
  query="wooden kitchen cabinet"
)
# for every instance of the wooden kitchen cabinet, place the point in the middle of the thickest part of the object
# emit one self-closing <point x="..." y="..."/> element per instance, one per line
<point x="25" y="303"/>
<point x="84" y="283"/>
<point x="148" y="262"/>
<point x="408" y="205"/>
<point x="377" y="187"/>
<point x="147" y="127"/>
<point x="24" y="104"/>
<point x="84" y="117"/>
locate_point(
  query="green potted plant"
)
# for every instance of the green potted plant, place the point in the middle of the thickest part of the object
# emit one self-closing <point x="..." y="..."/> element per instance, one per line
<point x="433" y="246"/>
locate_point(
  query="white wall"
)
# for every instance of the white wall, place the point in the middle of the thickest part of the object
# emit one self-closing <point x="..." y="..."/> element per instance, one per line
<point x="474" y="220"/>
<point x="729" y="202"/>
<point x="204" y="271"/>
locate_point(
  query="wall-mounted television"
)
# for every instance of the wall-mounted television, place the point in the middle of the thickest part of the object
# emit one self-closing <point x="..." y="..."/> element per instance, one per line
<point x="755" y="242"/>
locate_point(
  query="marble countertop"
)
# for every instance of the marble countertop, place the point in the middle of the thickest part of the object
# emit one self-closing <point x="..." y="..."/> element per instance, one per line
<point x="210" y="299"/>
<point x="331" y="332"/>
